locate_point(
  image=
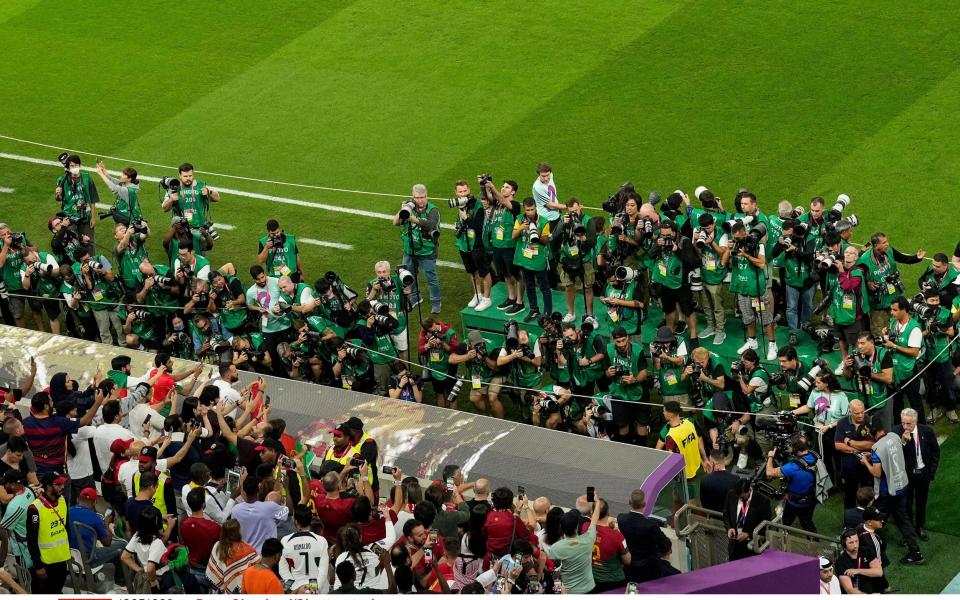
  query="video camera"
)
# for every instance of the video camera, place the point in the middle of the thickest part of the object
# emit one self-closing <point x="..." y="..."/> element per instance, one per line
<point x="615" y="202"/>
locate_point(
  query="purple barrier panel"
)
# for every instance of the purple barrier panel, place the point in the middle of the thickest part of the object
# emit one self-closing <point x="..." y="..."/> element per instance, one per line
<point x="773" y="572"/>
<point x="660" y="478"/>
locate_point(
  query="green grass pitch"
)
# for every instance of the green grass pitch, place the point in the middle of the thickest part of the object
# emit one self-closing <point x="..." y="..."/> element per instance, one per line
<point x="789" y="99"/>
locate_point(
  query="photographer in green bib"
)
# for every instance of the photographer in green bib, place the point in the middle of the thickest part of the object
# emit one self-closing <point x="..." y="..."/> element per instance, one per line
<point x="707" y="382"/>
<point x="674" y="259"/>
<point x="797" y="247"/>
<point x="419" y="222"/>
<point x="279" y="254"/>
<point x="711" y="245"/>
<point x="579" y="247"/>
<point x="751" y="392"/>
<point x="668" y="351"/>
<point x="786" y="383"/>
<point x="375" y="323"/>
<point x="354" y="368"/>
<point x="386" y="287"/>
<point x="228" y="296"/>
<point x="298" y="296"/>
<point x="95" y="274"/>
<point x="870" y="368"/>
<point x="938" y="330"/>
<point x="126" y="193"/>
<point x="436" y="343"/>
<point x="263" y="298"/>
<point x="883" y="278"/>
<point x="77" y="194"/>
<point x="520" y="357"/>
<point x="748" y="280"/>
<point x="191" y="201"/>
<point x="582" y="354"/>
<point x="503" y="213"/>
<point x="712" y="205"/>
<point x="76" y="297"/>
<point x="131" y="256"/>
<point x="848" y="297"/>
<point x="40" y="276"/>
<point x="627" y="376"/>
<point x="532" y="256"/>
<point x="904" y="339"/>
<point x="141" y="322"/>
<point x="622" y="301"/>
<point x="468" y="240"/>
<point x="548" y="404"/>
<point x="483" y="376"/>
<point x="11" y="261"/>
<point x="942" y="277"/>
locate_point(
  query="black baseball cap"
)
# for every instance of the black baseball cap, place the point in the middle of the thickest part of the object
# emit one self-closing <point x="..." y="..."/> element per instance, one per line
<point x="14" y="476"/>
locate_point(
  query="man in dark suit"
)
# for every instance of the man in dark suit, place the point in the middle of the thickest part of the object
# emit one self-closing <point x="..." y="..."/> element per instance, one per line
<point x="715" y="486"/>
<point x="853" y="517"/>
<point x="745" y="510"/>
<point x="645" y="540"/>
<point x="921" y="453"/>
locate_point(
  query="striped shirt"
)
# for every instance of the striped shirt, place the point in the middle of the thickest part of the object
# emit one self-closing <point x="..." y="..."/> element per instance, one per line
<point x="226" y="577"/>
<point x="47" y="438"/>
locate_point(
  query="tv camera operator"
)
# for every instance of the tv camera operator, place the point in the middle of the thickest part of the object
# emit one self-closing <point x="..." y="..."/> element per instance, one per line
<point x="798" y="469"/>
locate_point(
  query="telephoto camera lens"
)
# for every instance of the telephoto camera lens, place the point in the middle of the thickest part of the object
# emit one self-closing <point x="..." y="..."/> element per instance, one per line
<point x="407" y="209"/>
<point x="406" y="277"/>
<point x="455" y="390"/>
<point x="836" y="212"/>
<point x="511" y="334"/>
<point x="625" y="274"/>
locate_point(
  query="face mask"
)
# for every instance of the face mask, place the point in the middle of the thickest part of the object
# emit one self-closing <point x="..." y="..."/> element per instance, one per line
<point x="74" y="171"/>
<point x="178" y="327"/>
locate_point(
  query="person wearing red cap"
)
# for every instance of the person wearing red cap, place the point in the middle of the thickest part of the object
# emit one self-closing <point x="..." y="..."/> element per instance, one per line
<point x="47" y="536"/>
<point x="85" y="512"/>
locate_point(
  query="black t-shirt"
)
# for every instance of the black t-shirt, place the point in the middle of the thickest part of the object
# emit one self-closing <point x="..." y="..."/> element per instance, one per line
<point x="849" y="463"/>
<point x="867" y="585"/>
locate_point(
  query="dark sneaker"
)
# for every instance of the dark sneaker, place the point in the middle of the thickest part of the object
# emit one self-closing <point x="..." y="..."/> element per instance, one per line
<point x="681" y="326"/>
<point x="533" y="316"/>
<point x="516" y="309"/>
<point x="505" y="304"/>
<point x="913" y="558"/>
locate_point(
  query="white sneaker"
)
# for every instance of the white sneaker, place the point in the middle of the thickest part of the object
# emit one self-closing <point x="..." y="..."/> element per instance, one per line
<point x="569" y="318"/>
<point x="772" y="351"/>
<point x="720" y="338"/>
<point x="709" y="331"/>
<point x="473" y="301"/>
<point x="742" y="460"/>
<point x="751" y="344"/>
<point x="839" y="370"/>
<point x="484" y="304"/>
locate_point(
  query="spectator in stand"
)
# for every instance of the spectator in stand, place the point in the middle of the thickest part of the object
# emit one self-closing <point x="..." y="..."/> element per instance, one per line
<point x="15" y="459"/>
<point x="229" y="559"/>
<point x="217" y="504"/>
<point x="260" y="578"/>
<point x="47" y="435"/>
<point x="14" y="521"/>
<point x="416" y="543"/>
<point x="481" y="494"/>
<point x="258" y="519"/>
<point x="610" y="552"/>
<point x="645" y="540"/>
<point x="374" y="526"/>
<point x="575" y="551"/>
<point x="154" y="496"/>
<point x="306" y="556"/>
<point x="365" y="561"/>
<point x="452" y="511"/>
<point x="85" y="512"/>
<point x="144" y="552"/>
<point x="504" y="524"/>
<point x="199" y="533"/>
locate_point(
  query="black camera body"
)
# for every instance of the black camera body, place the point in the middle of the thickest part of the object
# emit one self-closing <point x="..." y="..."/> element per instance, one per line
<point x="615" y="202"/>
<point x="862" y="365"/>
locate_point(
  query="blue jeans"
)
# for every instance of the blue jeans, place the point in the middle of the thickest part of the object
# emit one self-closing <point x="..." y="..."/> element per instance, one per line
<point x="103" y="555"/>
<point x="428" y="266"/>
<point x="803" y="297"/>
<point x="541" y="279"/>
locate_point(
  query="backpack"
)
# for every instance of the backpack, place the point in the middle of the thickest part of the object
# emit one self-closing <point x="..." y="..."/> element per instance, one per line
<point x="822" y="477"/>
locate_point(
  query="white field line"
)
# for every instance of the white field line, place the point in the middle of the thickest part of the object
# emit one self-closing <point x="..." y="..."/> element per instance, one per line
<point x="314" y="242"/>
<point x="254" y="195"/>
<point x="6" y="190"/>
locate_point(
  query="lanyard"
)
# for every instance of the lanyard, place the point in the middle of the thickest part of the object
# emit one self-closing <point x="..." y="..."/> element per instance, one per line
<point x="825" y="588"/>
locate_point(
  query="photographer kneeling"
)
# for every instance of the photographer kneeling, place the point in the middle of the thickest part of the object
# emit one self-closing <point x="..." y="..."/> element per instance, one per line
<point x="800" y="473"/>
<point x="380" y="322"/>
<point x="406" y="386"/>
<point x="353" y="367"/>
<point x="485" y="380"/>
<point x="520" y="357"/>
<point x="549" y="405"/>
<point x="751" y="392"/>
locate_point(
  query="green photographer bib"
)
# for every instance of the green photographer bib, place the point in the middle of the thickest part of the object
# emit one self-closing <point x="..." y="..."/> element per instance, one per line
<point x="193" y="204"/>
<point x="632" y="364"/>
<point x="281" y="260"/>
<point x="74" y="194"/>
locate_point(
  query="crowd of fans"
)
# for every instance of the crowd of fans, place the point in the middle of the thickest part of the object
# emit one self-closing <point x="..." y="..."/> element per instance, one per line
<point x="191" y="486"/>
<point x="810" y="423"/>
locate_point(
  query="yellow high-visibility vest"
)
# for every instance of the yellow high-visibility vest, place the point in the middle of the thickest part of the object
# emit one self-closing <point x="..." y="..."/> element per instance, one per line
<point x="52" y="535"/>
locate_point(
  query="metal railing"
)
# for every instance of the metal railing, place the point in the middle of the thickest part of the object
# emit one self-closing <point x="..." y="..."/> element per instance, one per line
<point x="705" y="535"/>
<point x="776" y="535"/>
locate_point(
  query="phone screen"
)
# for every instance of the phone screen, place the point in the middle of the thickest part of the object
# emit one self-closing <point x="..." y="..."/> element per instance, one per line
<point x="590" y="494"/>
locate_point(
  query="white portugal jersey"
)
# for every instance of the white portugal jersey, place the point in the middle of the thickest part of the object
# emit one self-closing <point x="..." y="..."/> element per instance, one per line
<point x="305" y="557"/>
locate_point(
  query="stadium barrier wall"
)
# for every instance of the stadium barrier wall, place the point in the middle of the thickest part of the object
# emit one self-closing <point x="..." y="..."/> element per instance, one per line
<point x="418" y="438"/>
